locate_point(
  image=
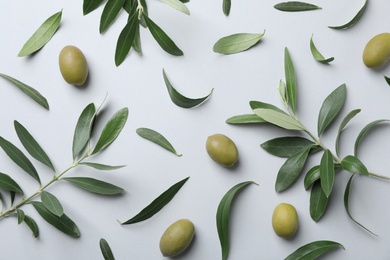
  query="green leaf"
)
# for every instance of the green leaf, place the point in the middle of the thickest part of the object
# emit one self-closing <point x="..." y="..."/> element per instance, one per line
<point x="313" y="250"/>
<point x="352" y="164"/>
<point x="32" y="146"/>
<point x="286" y="146"/>
<point x="137" y="41"/>
<point x="109" y="14"/>
<point x="19" y="158"/>
<point x="291" y="81"/>
<point x="223" y="216"/>
<point x="103" y="167"/>
<point x="20" y="214"/>
<point x="30" y="222"/>
<point x="236" y="43"/>
<point x="318" y="201"/>
<point x="331" y="108"/>
<point x="178" y="5"/>
<point x="317" y="55"/>
<point x="52" y="203"/>
<point x="354" y="20"/>
<point x="63" y="223"/>
<point x="94" y="185"/>
<point x="295" y="6"/>
<point x="106" y="250"/>
<point x="291" y="169"/>
<point x="157" y="204"/>
<point x="346" y="205"/>
<point x="387" y="80"/>
<point x="112" y="129"/>
<point x="130" y="6"/>
<point x="278" y="119"/>
<point x="245" y="119"/>
<point x="364" y="131"/>
<point x="41" y="36"/>
<point x="29" y="91"/>
<point x="258" y="104"/>
<point x="327" y="172"/>
<point x="82" y="132"/>
<point x="311" y="176"/>
<point x="126" y="39"/>
<point x="7" y="183"/>
<point x="180" y="100"/>
<point x="156" y="138"/>
<point x="343" y="124"/>
<point x="162" y="38"/>
<point x="226" y="5"/>
<point x="91" y="5"/>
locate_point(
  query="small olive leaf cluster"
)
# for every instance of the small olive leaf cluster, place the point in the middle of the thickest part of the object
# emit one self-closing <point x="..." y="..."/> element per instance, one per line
<point x="297" y="149"/>
<point x="138" y="15"/>
<point x="45" y="203"/>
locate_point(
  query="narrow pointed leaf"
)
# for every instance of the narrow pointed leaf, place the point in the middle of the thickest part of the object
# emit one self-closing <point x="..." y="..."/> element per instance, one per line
<point x="29" y="91"/>
<point x="156" y="138"/>
<point x="331" y="108"/>
<point x="354" y="20"/>
<point x="318" y="201"/>
<point x="109" y="14"/>
<point x="258" y="104"/>
<point x="157" y="204"/>
<point x="94" y="185"/>
<point x="226" y="5"/>
<point x="126" y="39"/>
<point x="32" y="146"/>
<point x="278" y="119"/>
<point x="236" y="43"/>
<point x="311" y="176"/>
<point x="42" y="35"/>
<point x="30" y="222"/>
<point x="130" y="6"/>
<point x="343" y="124"/>
<point x="7" y="183"/>
<point x="180" y="100"/>
<point x="317" y="55"/>
<point x="112" y="129"/>
<point x="291" y="82"/>
<point x="52" y="203"/>
<point x="313" y="250"/>
<point x="295" y="6"/>
<point x="20" y="214"/>
<point x="91" y="5"/>
<point x="12" y="195"/>
<point x="137" y="41"/>
<point x="106" y="250"/>
<point x="327" y="172"/>
<point x="63" y="223"/>
<point x="245" y="119"/>
<point x="364" y="131"/>
<point x="352" y="164"/>
<point x="19" y="158"/>
<point x="387" y="79"/>
<point x="223" y="216"/>
<point x="162" y="38"/>
<point x="82" y="132"/>
<point x="178" y="5"/>
<point x="286" y="146"/>
<point x="103" y="167"/>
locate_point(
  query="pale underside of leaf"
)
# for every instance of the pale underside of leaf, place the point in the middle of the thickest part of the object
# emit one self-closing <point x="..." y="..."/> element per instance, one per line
<point x="236" y="43"/>
<point x="245" y="119"/>
<point x="177" y="5"/>
<point x="103" y="167"/>
<point x="354" y="20"/>
<point x="278" y="119"/>
<point x="156" y="138"/>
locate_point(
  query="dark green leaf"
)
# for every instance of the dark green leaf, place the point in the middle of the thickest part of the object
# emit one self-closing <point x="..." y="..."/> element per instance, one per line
<point x="7" y="183"/>
<point x="157" y="204"/>
<point x="313" y="250"/>
<point x="30" y="222"/>
<point x="12" y="195"/>
<point x="109" y="14"/>
<point x="354" y="20"/>
<point x="236" y="43"/>
<point x="258" y="104"/>
<point x="291" y="81"/>
<point x="156" y="138"/>
<point x="226" y="5"/>
<point x="82" y="132"/>
<point x="32" y="146"/>
<point x="343" y="124"/>
<point x="19" y="158"/>
<point x="162" y="38"/>
<point x="331" y="108"/>
<point x="126" y="39"/>
<point x="387" y="80"/>
<point x="20" y="214"/>
<point x="317" y="55"/>
<point x="223" y="216"/>
<point x="94" y="186"/>
<point x="63" y="223"/>
<point x="318" y="201"/>
<point x="29" y="91"/>
<point x="41" y="36"/>
<point x="178" y="5"/>
<point x="286" y="146"/>
<point x="245" y="119"/>
<point x="354" y="165"/>
<point x="327" y="172"/>
<point x="103" y="167"/>
<point x="91" y="5"/>
<point x="137" y="41"/>
<point x="180" y="100"/>
<point x="311" y="176"/>
<point x="295" y="6"/>
<point x="279" y="119"/>
<point x="130" y="6"/>
<point x="106" y="250"/>
<point x="52" y="203"/>
<point x="364" y="131"/>
<point x="112" y="129"/>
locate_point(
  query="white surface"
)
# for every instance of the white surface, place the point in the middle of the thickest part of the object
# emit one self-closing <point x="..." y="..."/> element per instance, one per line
<point x="138" y="84"/>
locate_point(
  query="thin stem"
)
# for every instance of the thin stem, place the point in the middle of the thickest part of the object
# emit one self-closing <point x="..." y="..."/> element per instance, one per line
<point x="379" y="176"/>
<point x="140" y="9"/>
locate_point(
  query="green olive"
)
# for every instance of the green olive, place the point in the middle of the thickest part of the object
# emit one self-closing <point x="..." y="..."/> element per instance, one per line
<point x="377" y="51"/>
<point x="73" y="65"/>
<point x="222" y="149"/>
<point x="177" y="237"/>
<point x="285" y="220"/>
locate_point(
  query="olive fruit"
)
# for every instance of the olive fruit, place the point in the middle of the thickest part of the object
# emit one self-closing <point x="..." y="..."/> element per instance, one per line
<point x="377" y="51"/>
<point x="73" y="65"/>
<point x="222" y="149"/>
<point x="177" y="237"/>
<point x="285" y="220"/>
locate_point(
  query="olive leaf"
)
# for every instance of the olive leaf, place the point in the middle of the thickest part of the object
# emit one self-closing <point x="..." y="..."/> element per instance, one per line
<point x="317" y="55"/>
<point x="20" y="215"/>
<point x="52" y="203"/>
<point x="156" y="138"/>
<point x="126" y="39"/>
<point x="32" y="146"/>
<point x="331" y="108"/>
<point x="278" y="119"/>
<point x="387" y="80"/>
<point x="236" y="43"/>
<point x="311" y="176"/>
<point x="352" y="164"/>
<point x="103" y="167"/>
<point x="327" y="172"/>
<point x="364" y="131"/>
<point x="137" y="41"/>
<point x="42" y="35"/>
<point x="295" y="6"/>
<point x="29" y="91"/>
<point x="258" y="104"/>
<point x="354" y="20"/>
<point x="91" y="5"/>
<point x="180" y="100"/>
<point x="157" y="204"/>
<point x="30" y="222"/>
<point x="318" y="201"/>
<point x="291" y="82"/>
<point x="286" y="146"/>
<point x="7" y="183"/>
<point x="343" y="124"/>
<point x="106" y="250"/>
<point x="178" y="5"/>
<point x="313" y="250"/>
<point x="223" y="216"/>
<point x="245" y="119"/>
<point x="94" y="185"/>
<point x="19" y="158"/>
<point x="109" y="14"/>
<point x="226" y="5"/>
<point x="63" y="223"/>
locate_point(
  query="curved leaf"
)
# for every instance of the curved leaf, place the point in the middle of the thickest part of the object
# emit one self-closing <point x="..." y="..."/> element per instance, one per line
<point x="286" y="146"/>
<point x="106" y="250"/>
<point x="352" y="164"/>
<point x="94" y="185"/>
<point x="318" y="201"/>
<point x="245" y="119"/>
<point x="313" y="250"/>
<point x="178" y="5"/>
<point x="103" y="167"/>
<point x="52" y="203"/>
<point x="156" y="138"/>
<point x="30" y="222"/>
<point x="327" y="172"/>
<point x="317" y="55"/>
<point x="295" y="6"/>
<point x="20" y="215"/>
<point x="311" y="176"/>
<point x="343" y="124"/>
<point x="291" y="82"/>
<point x="82" y="132"/>
<point x="354" y="20"/>
<point x="278" y="119"/>
<point x="226" y="5"/>
<point x="126" y="39"/>
<point x="91" y="5"/>
<point x="109" y="14"/>
<point x="7" y="183"/>
<point x="236" y="43"/>
<point x="258" y="104"/>
<point x="364" y="131"/>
